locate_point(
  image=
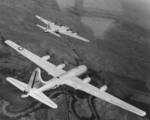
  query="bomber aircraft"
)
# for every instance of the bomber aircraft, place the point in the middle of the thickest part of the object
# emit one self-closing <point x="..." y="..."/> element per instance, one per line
<point x="56" y="30"/>
<point x="70" y="78"/>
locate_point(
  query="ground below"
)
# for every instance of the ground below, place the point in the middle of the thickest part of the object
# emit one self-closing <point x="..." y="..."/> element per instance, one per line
<point x="118" y="55"/>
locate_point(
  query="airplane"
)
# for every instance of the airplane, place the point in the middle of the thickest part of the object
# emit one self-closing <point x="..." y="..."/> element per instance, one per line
<point x="31" y="89"/>
<point x="72" y="78"/>
<point x="48" y="30"/>
<point x="57" y="30"/>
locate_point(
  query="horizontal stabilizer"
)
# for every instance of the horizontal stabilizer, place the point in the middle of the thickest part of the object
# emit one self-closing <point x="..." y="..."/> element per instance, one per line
<point x="20" y="85"/>
<point x="42" y="98"/>
<point x="35" y="93"/>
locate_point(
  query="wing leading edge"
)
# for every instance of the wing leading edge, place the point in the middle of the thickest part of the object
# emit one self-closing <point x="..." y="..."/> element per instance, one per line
<point x="78" y="84"/>
<point x="74" y="36"/>
<point x="45" y="65"/>
<point x="42" y="19"/>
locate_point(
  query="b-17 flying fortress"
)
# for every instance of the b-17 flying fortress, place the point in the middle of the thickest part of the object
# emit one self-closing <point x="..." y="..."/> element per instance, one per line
<point x="57" y="30"/>
<point x="61" y="77"/>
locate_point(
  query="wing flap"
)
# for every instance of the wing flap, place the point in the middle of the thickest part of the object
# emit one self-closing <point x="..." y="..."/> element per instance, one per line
<point x="90" y="89"/>
<point x="20" y="85"/>
<point x="42" y="98"/>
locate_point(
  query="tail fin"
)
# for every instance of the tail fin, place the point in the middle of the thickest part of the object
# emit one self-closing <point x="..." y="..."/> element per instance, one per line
<point x="35" y="79"/>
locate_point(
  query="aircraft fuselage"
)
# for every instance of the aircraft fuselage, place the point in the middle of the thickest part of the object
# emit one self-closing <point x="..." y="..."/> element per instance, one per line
<point x="56" y="81"/>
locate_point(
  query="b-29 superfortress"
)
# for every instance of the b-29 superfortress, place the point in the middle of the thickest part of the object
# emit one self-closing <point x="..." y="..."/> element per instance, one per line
<point x="61" y="77"/>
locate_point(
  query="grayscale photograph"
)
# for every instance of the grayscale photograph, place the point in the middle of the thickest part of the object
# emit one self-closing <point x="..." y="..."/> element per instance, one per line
<point x="74" y="60"/>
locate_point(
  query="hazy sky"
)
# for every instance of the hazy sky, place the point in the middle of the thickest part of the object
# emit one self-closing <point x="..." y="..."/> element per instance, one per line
<point x="135" y="10"/>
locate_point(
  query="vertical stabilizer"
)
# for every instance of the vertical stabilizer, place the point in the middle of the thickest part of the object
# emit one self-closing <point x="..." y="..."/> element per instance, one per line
<point x="35" y="79"/>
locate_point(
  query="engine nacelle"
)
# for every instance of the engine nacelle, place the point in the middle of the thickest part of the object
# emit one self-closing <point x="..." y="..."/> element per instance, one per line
<point x="61" y="66"/>
<point x="24" y="95"/>
<point x="103" y="88"/>
<point x="87" y="80"/>
<point x="75" y="71"/>
<point x="46" y="57"/>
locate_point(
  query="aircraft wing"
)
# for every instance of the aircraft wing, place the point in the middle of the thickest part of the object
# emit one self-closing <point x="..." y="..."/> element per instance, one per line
<point x="44" y="64"/>
<point x="41" y="97"/>
<point x="50" y="31"/>
<point x="74" y="36"/>
<point x="77" y="83"/>
<point x="20" y="85"/>
<point x="42" y="19"/>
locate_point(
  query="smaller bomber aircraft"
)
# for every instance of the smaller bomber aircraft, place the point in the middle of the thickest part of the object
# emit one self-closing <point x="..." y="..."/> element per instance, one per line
<point x="56" y="30"/>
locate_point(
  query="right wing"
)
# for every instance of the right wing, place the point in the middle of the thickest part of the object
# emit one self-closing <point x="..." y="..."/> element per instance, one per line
<point x="45" y="65"/>
<point x="50" y="31"/>
<point x="90" y="89"/>
<point x="41" y="97"/>
<point x="74" y="36"/>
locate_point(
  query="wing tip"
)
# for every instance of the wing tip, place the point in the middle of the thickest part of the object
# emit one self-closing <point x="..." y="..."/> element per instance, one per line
<point x="8" y="78"/>
<point x="140" y="113"/>
<point x="55" y="106"/>
<point x="37" y="16"/>
<point x="7" y="41"/>
<point x="143" y="114"/>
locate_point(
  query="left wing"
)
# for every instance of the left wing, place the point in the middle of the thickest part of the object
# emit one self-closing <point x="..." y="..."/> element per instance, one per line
<point x="44" y="64"/>
<point x="74" y="35"/>
<point x="42" y="19"/>
<point x="90" y="89"/>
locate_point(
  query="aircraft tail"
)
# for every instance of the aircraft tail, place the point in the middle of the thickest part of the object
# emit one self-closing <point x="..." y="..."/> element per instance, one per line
<point x="34" y="82"/>
<point x="35" y="79"/>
